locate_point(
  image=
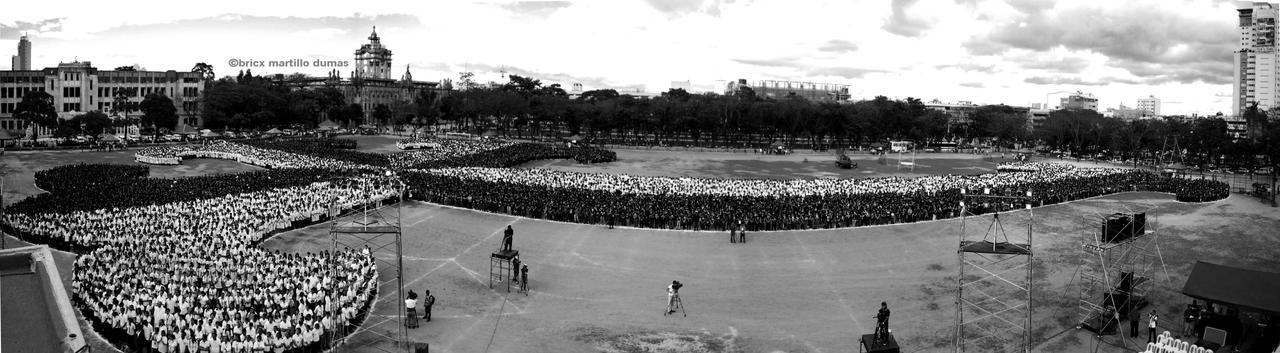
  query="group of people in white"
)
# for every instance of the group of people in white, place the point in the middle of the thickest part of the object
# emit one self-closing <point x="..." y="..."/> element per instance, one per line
<point x="651" y="185"/>
<point x="426" y="150"/>
<point x="262" y="157"/>
<point x="188" y="277"/>
<point x="431" y="149"/>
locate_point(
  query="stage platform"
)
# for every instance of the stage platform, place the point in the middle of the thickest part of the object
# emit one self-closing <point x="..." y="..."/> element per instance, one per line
<point x="869" y="345"/>
<point x="987" y="247"/>
<point x="506" y="255"/>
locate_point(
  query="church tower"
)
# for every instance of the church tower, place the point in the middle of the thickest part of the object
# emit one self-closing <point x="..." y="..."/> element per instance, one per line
<point x="372" y="59"/>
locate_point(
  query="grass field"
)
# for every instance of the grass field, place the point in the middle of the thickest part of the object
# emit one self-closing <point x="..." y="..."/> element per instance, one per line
<point x="598" y="289"/>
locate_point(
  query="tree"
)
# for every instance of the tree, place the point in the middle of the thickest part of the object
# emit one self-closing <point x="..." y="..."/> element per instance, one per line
<point x="466" y="80"/>
<point x="352" y="113"/>
<point x="159" y="112"/>
<point x="121" y="105"/>
<point x="94" y="123"/>
<point x="427" y="104"/>
<point x="206" y="70"/>
<point x="126" y="68"/>
<point x="382" y="114"/>
<point x="36" y="108"/>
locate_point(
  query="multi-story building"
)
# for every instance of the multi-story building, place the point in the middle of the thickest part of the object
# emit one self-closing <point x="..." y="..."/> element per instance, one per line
<point x="1036" y="118"/>
<point x="958" y="113"/>
<point x="1079" y="100"/>
<point x="78" y="87"/>
<point x="687" y="86"/>
<point x="22" y="61"/>
<point x="1255" y="60"/>
<point x="782" y="89"/>
<point x="370" y="83"/>
<point x="1149" y="106"/>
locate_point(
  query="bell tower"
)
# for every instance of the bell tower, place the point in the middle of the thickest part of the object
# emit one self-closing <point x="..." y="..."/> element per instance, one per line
<point x="372" y="59"/>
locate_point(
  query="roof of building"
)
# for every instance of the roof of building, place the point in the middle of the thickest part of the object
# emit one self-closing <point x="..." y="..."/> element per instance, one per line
<point x="1243" y="288"/>
<point x="37" y="315"/>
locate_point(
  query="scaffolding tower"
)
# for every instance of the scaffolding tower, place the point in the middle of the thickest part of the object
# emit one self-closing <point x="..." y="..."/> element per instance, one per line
<point x="501" y="270"/>
<point x="994" y="284"/>
<point x="1121" y="260"/>
<point x="362" y="223"/>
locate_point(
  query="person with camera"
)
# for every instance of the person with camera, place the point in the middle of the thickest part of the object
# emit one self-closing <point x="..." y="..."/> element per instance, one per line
<point x="673" y="294"/>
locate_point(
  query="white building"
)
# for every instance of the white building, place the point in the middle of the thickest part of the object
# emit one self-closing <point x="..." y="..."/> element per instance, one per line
<point x="1149" y="106"/>
<point x="1255" y="59"/>
<point x="79" y="87"/>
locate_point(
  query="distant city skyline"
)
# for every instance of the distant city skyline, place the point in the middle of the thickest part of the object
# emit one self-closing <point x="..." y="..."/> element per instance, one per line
<point x="1016" y="52"/>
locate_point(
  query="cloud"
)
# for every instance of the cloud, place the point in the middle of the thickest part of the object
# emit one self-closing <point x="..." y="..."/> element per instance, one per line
<point x="901" y="24"/>
<point x="1144" y="34"/>
<point x="972" y="84"/>
<point x="838" y="46"/>
<point x="1060" y="80"/>
<point x="1031" y="7"/>
<point x="362" y="24"/>
<point x="19" y="27"/>
<point x="845" y="72"/>
<point x="538" y="9"/>
<point x="683" y="7"/>
<point x="1207" y="72"/>
<point x="1063" y="65"/>
<point x="1153" y="43"/>
<point x="779" y="62"/>
<point x="971" y="67"/>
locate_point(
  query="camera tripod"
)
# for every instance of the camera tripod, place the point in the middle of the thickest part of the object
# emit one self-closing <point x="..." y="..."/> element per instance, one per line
<point x="676" y="303"/>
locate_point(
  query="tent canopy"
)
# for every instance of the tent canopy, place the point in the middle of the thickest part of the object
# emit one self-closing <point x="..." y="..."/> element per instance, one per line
<point x="274" y="131"/>
<point x="210" y="134"/>
<point x="1246" y="289"/>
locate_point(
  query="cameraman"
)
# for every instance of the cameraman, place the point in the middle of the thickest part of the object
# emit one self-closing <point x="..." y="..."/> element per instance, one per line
<point x="673" y="292"/>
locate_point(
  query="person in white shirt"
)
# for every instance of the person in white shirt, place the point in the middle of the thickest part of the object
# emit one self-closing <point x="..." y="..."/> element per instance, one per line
<point x="411" y="313"/>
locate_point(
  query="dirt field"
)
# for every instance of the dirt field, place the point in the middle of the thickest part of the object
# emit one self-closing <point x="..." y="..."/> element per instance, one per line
<point x="596" y="289"/>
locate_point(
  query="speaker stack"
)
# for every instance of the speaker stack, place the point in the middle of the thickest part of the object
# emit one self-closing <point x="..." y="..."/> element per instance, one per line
<point x="1120" y="227"/>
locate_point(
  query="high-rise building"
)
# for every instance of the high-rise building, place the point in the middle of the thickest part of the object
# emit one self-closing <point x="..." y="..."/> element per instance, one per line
<point x="1079" y="100"/>
<point x="1149" y="106"/>
<point x="22" y="61"/>
<point x="1255" y="60"/>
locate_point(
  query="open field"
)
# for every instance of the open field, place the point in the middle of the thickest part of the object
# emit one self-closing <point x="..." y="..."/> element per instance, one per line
<point x="594" y="287"/>
<point x="599" y="289"/>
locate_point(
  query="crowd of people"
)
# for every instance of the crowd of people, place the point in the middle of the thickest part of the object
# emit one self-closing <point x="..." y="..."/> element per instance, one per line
<point x="172" y="265"/>
<point x="115" y="191"/>
<point x="182" y="273"/>
<point x="249" y="154"/>
<point x="765" y="204"/>
<point x="83" y="177"/>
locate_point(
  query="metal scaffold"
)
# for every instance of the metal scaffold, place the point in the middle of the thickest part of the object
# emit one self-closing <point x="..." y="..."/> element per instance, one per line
<point x="1121" y="261"/>
<point x="994" y="283"/>
<point x="359" y="223"/>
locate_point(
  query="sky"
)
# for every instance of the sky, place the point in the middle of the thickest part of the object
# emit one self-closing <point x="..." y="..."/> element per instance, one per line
<point x="1015" y="52"/>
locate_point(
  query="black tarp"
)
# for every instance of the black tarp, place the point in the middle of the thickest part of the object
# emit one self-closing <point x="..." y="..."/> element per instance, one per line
<point x="1246" y="289"/>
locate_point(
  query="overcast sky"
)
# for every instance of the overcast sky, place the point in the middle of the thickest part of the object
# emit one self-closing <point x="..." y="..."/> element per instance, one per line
<point x="1014" y="52"/>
